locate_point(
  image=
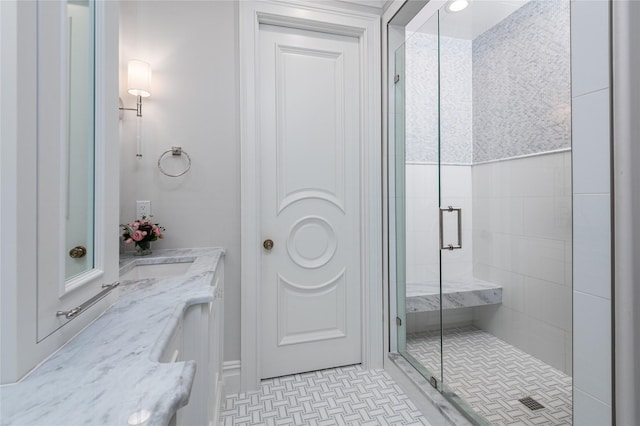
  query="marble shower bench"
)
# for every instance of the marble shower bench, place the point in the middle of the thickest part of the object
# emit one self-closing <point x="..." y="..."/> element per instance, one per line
<point x="463" y="293"/>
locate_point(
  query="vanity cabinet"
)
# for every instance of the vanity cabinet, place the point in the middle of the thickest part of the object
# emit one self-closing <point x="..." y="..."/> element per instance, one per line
<point x="199" y="337"/>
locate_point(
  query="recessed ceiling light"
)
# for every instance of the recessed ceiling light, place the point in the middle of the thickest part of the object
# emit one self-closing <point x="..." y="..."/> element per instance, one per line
<point x="456" y="5"/>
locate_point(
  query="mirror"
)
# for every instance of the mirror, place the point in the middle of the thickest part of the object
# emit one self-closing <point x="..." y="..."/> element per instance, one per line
<point x="76" y="206"/>
<point x="80" y="149"/>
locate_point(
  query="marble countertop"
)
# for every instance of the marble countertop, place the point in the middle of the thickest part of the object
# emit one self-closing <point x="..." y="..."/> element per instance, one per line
<point x="110" y="370"/>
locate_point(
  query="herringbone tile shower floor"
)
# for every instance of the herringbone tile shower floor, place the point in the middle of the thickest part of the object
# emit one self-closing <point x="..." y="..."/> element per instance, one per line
<point x="491" y="376"/>
<point x="340" y="396"/>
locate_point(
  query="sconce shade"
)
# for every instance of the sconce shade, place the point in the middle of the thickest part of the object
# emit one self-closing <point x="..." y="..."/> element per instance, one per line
<point x="139" y="80"/>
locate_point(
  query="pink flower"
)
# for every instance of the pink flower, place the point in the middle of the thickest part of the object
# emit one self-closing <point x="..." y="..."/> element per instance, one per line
<point x="141" y="230"/>
<point x="128" y="241"/>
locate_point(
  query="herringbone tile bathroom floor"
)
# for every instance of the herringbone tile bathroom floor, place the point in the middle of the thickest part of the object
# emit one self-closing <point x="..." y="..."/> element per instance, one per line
<point x="340" y="396"/>
<point x="491" y="376"/>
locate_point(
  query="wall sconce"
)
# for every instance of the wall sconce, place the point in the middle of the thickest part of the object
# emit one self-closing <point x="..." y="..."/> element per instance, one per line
<point x="139" y="85"/>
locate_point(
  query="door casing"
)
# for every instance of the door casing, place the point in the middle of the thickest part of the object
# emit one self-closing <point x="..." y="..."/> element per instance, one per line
<point x="366" y="28"/>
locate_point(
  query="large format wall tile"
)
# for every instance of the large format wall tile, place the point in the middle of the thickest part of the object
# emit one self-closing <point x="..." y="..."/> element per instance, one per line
<point x="591" y="136"/>
<point x="590" y="45"/>
<point x="592" y="346"/>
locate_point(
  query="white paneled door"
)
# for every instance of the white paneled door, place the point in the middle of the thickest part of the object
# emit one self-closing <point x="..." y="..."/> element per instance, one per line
<point x="310" y="144"/>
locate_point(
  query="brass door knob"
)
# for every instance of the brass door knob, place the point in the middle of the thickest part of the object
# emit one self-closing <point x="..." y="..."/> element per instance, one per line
<point x="78" y="252"/>
<point x="268" y="244"/>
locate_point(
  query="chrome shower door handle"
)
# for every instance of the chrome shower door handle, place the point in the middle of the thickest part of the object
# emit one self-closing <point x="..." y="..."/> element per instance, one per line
<point x="450" y="246"/>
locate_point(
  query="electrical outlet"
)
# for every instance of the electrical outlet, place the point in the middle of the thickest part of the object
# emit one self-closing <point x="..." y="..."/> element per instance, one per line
<point x="143" y="209"/>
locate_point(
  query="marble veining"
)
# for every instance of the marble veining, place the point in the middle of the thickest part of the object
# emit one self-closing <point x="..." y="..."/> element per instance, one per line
<point x="111" y="370"/>
<point x="423" y="297"/>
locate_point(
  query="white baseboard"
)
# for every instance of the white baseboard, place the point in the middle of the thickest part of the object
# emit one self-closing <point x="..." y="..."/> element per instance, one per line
<point x="231" y="375"/>
<point x="218" y="404"/>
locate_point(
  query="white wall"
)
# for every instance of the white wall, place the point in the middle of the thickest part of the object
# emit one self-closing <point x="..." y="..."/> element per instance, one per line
<point x="522" y="241"/>
<point x="192" y="49"/>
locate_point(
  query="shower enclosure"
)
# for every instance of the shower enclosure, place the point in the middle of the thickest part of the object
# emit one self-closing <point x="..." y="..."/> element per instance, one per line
<point x="482" y="180"/>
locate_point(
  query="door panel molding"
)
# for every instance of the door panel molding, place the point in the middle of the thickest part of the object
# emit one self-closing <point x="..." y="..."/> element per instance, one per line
<point x="366" y="28"/>
<point x="326" y="327"/>
<point x="293" y="60"/>
<point x="324" y="231"/>
<point x="333" y="190"/>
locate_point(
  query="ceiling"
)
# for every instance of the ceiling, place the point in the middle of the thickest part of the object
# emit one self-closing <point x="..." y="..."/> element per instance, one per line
<point x="379" y="4"/>
<point x="467" y="24"/>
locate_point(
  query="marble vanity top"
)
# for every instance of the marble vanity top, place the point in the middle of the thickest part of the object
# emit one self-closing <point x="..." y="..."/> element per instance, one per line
<point x="110" y="370"/>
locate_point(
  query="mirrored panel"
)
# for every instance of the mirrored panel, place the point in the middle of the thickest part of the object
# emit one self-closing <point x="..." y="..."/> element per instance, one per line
<point x="80" y="205"/>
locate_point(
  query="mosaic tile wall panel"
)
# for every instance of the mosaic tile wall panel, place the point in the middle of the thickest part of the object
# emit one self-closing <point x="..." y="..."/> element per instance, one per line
<point x="521" y="83"/>
<point x="422" y="97"/>
<point x="505" y="94"/>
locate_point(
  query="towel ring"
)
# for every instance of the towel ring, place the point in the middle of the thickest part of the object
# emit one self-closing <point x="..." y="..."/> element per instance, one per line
<point x="175" y="150"/>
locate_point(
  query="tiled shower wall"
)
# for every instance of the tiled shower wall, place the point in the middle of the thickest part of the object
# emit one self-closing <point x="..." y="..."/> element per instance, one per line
<point x="421" y="53"/>
<point x="522" y="84"/>
<point x="505" y="94"/>
<point x="422" y="151"/>
<point x="592" y="293"/>
<point x="517" y="212"/>
<point x="422" y="221"/>
<point x="522" y="207"/>
<point x="522" y="241"/>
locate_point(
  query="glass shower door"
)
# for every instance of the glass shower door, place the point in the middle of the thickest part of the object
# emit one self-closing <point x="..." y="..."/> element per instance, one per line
<point x="432" y="212"/>
<point x="416" y="202"/>
<point x="483" y="235"/>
